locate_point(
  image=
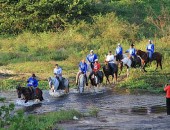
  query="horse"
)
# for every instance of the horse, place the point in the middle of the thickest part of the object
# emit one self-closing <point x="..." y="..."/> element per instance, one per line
<point x="28" y="93"/>
<point x="96" y="80"/>
<point x="81" y="82"/>
<point x="55" y="85"/>
<point x="108" y="71"/>
<point x="156" y="56"/>
<point x="128" y="63"/>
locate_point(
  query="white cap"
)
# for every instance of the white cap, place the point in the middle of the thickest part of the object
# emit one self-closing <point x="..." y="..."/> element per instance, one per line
<point x="118" y="44"/>
<point x="91" y="50"/>
<point x="96" y="59"/>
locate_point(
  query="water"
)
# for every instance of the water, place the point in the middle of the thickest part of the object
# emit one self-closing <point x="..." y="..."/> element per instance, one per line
<point x="116" y="110"/>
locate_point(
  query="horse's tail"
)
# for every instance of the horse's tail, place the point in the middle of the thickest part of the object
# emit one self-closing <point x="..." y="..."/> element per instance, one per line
<point x="161" y="60"/>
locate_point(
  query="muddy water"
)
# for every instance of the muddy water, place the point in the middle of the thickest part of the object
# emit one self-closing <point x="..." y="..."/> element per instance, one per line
<point x="116" y="111"/>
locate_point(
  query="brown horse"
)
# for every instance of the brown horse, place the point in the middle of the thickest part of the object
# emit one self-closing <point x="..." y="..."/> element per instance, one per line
<point x="108" y="71"/>
<point x="29" y="94"/>
<point x="156" y="56"/>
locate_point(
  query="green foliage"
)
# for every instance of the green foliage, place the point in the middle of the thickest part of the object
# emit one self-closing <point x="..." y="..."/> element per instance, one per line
<point x="9" y="84"/>
<point x="12" y="121"/>
<point x="5" y="113"/>
<point x="94" y="111"/>
<point x="56" y="15"/>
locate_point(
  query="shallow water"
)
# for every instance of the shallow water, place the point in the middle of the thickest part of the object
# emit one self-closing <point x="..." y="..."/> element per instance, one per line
<point x="116" y="110"/>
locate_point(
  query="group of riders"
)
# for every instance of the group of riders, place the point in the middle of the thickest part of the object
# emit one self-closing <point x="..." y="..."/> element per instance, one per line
<point x="92" y="60"/>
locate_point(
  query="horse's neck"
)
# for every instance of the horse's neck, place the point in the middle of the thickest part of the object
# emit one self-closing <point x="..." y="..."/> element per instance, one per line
<point x="82" y="76"/>
<point x="54" y="80"/>
<point x="107" y="66"/>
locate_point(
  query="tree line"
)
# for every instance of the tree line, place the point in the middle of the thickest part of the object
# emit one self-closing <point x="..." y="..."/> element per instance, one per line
<point x="17" y="16"/>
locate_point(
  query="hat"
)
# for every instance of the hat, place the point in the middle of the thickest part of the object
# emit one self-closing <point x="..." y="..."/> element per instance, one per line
<point x="91" y="50"/>
<point x="118" y="44"/>
<point x="33" y="75"/>
<point x="96" y="59"/>
<point x="132" y="44"/>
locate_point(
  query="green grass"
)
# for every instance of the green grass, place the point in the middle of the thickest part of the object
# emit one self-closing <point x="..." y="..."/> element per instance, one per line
<point x="47" y="121"/>
<point x="38" y="53"/>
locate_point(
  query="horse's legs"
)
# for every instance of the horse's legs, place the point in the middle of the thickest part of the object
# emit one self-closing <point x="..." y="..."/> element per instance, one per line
<point x="107" y="79"/>
<point x="121" y="66"/>
<point x="143" y="67"/>
<point x="156" y="65"/>
<point x="115" y="78"/>
<point x="160" y="63"/>
<point x="127" y="72"/>
<point x="26" y="100"/>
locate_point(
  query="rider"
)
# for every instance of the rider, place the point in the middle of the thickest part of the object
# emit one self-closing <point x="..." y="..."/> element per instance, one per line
<point x="83" y="70"/>
<point x="58" y="73"/>
<point x="132" y="55"/>
<point x="96" y="70"/>
<point x="110" y="59"/>
<point x="119" y="52"/>
<point x="32" y="83"/>
<point x="150" y="49"/>
<point x="91" y="58"/>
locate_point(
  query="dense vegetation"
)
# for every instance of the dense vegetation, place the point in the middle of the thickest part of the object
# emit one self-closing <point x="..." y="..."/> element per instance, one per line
<point x="18" y="16"/>
<point x="37" y="34"/>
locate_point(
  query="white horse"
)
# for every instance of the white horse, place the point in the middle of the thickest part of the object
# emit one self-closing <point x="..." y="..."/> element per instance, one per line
<point x="54" y="84"/>
<point x="126" y="61"/>
<point x="81" y="83"/>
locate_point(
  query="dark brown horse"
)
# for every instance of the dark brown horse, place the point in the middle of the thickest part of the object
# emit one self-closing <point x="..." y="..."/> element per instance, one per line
<point x="156" y="56"/>
<point x="108" y="71"/>
<point x="28" y="93"/>
<point x="96" y="78"/>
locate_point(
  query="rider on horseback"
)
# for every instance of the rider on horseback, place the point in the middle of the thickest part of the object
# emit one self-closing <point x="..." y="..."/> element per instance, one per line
<point x="96" y="70"/>
<point x="82" y="70"/>
<point x="150" y="50"/>
<point x="32" y="83"/>
<point x="132" y="55"/>
<point x="58" y="73"/>
<point x="91" y="58"/>
<point x="110" y="59"/>
<point x="119" y="52"/>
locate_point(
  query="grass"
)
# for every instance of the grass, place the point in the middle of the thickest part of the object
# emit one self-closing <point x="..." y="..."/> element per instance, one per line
<point x="30" y="53"/>
<point x="45" y="121"/>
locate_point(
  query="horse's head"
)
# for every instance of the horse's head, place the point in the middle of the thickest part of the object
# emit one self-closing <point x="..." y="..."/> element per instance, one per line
<point x="50" y="82"/>
<point x="94" y="80"/>
<point x="140" y="52"/>
<point x="106" y="66"/>
<point x="19" y="90"/>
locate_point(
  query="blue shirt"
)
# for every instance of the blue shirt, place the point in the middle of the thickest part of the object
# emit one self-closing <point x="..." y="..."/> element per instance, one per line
<point x="119" y="50"/>
<point x="150" y="47"/>
<point x="132" y="51"/>
<point x="91" y="57"/>
<point x="32" y="82"/>
<point x="83" y="67"/>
